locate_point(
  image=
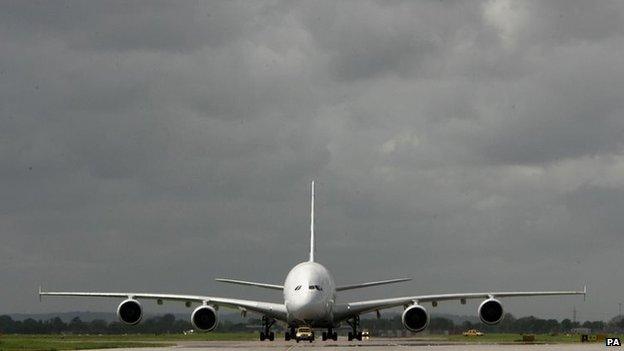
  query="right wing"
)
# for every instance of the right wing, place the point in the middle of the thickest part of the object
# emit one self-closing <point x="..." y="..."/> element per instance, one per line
<point x="348" y="310"/>
<point x="366" y="285"/>
<point x="274" y="310"/>
<point x="243" y="282"/>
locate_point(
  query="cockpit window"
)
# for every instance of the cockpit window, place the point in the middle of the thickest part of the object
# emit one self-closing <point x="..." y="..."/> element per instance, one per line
<point x="318" y="287"/>
<point x="298" y="287"/>
<point x="315" y="287"/>
<point x="311" y="287"/>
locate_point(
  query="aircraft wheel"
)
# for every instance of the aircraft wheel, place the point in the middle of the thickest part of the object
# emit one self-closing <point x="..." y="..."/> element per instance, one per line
<point x="335" y="336"/>
<point x="271" y="336"/>
<point x="324" y="336"/>
<point x="287" y="336"/>
<point x="350" y="336"/>
<point x="262" y="336"/>
<point x="359" y="336"/>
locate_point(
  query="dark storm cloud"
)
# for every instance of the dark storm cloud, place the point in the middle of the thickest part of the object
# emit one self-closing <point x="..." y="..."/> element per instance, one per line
<point x="595" y="210"/>
<point x="157" y="145"/>
<point x="123" y="26"/>
<point x="375" y="39"/>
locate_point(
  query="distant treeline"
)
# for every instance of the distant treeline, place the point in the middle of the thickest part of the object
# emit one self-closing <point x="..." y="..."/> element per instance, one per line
<point x="169" y="324"/>
<point x="509" y="324"/>
<point x="154" y="325"/>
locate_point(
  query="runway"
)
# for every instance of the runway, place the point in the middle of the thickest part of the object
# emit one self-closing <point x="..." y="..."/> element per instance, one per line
<point x="370" y="345"/>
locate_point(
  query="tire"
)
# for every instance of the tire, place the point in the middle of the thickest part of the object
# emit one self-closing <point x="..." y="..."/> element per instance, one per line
<point x="287" y="336"/>
<point x="359" y="336"/>
<point x="335" y="336"/>
<point x="262" y="336"/>
<point x="324" y="336"/>
<point x="271" y="336"/>
<point x="350" y="336"/>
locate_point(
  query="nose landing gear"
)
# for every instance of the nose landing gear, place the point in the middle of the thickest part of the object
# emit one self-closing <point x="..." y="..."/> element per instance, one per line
<point x="355" y="334"/>
<point x="267" y="323"/>
<point x="288" y="335"/>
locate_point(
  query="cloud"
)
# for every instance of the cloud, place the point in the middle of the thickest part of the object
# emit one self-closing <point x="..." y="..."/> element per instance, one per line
<point x="120" y="26"/>
<point x="477" y="145"/>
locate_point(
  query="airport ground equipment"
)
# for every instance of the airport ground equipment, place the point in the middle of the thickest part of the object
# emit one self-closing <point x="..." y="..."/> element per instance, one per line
<point x="304" y="333"/>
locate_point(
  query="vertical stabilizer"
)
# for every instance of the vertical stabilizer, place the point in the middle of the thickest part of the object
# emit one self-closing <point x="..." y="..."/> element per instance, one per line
<point x="312" y="224"/>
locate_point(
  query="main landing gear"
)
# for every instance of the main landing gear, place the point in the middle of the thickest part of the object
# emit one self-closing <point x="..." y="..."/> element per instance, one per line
<point x="267" y="323"/>
<point x="330" y="334"/>
<point x="290" y="334"/>
<point x="355" y="334"/>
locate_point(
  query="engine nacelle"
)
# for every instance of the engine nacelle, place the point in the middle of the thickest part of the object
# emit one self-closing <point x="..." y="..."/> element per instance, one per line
<point x="490" y="311"/>
<point x="205" y="318"/>
<point x="415" y="318"/>
<point x="130" y="311"/>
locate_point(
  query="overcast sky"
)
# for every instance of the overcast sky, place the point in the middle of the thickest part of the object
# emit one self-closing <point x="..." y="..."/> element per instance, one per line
<point x="158" y="145"/>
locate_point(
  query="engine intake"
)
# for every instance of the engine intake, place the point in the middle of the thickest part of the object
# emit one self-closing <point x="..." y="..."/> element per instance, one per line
<point x="205" y="318"/>
<point x="415" y="318"/>
<point x="490" y="311"/>
<point x="130" y="311"/>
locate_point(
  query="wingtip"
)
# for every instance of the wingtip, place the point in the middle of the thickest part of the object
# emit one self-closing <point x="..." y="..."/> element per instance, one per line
<point x="40" y="293"/>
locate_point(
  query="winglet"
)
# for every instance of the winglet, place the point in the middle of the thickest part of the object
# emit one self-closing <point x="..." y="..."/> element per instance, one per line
<point x="584" y="292"/>
<point x="40" y="293"/>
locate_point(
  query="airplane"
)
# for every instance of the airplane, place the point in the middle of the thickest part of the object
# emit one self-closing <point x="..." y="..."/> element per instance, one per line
<point x="310" y="301"/>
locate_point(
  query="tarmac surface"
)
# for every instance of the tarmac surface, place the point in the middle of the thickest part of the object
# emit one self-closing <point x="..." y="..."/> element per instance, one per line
<point x="402" y="344"/>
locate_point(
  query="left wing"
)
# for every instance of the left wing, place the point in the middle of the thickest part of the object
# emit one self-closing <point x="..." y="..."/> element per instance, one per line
<point x="347" y="310"/>
<point x="274" y="310"/>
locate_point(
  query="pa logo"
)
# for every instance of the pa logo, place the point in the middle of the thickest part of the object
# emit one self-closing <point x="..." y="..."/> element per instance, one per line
<point x="613" y="342"/>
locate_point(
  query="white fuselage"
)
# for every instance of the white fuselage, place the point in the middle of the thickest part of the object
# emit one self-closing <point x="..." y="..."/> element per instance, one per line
<point x="309" y="295"/>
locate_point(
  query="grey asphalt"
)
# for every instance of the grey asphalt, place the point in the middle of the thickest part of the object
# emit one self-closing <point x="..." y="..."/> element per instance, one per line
<point x="371" y="345"/>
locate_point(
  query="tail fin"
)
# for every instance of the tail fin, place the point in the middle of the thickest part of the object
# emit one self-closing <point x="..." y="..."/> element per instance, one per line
<point x="312" y="224"/>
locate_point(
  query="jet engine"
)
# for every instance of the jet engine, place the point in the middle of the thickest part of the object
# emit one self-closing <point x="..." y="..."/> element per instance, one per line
<point x="205" y="318"/>
<point x="130" y="312"/>
<point x="415" y="318"/>
<point x="490" y="311"/>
